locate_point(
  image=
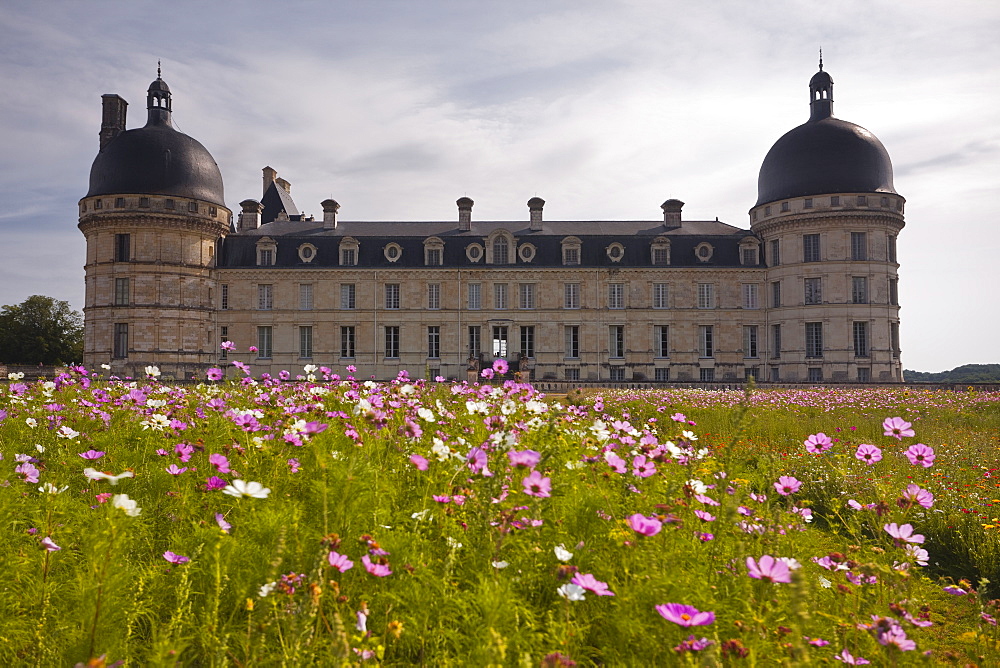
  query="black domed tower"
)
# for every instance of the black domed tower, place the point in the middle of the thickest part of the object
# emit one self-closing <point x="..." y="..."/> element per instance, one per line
<point x="152" y="217"/>
<point x="828" y="214"/>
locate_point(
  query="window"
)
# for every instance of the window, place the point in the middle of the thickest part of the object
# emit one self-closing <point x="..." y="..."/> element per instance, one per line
<point x="661" y="296"/>
<point x="810" y="248"/>
<point x="143" y="202"/>
<point x="835" y="200"/>
<point x="616" y="295"/>
<point x="661" y="255"/>
<point x="169" y="204"/>
<point x="434" y="296"/>
<point x="751" y="295"/>
<point x="264" y="342"/>
<point x="98" y="204"/>
<point x="571" y="295"/>
<point x="265" y="297"/>
<point x="193" y="207"/>
<point x="121" y="292"/>
<point x="809" y="203"/>
<point x="750" y="341"/>
<point x="661" y="340"/>
<point x="862" y="200"/>
<point x="859" y="289"/>
<point x="617" y="373"/>
<point x="434" y="341"/>
<point x="775" y="294"/>
<point x="265" y="257"/>
<point x="864" y="375"/>
<point x="305" y="296"/>
<point x="224" y="296"/>
<point x="814" y="339"/>
<point x="813" y="290"/>
<point x="526" y="252"/>
<point x="767" y="211"/>
<point x="704" y="251"/>
<point x="571" y="254"/>
<point x="616" y="341"/>
<point x="306" y="342"/>
<point x="775" y="374"/>
<point x="894" y="339"/>
<point x="392" y="295"/>
<point x="616" y="252"/>
<point x="706" y="343"/>
<point x="784" y="207"/>
<point x="860" y="339"/>
<point x="307" y="252"/>
<point x="752" y="372"/>
<point x="894" y="291"/>
<point x="119" y="202"/>
<point x="572" y="374"/>
<point x="891" y="248"/>
<point x="392" y="251"/>
<point x="775" y="342"/>
<point x="526" y="296"/>
<point x="475" y="296"/>
<point x="528" y="341"/>
<point x="348" y="294"/>
<point x="814" y="375"/>
<point x="213" y="211"/>
<point x="348" y="339"/>
<point x="501" y="251"/>
<point x="859" y="246"/>
<point x="223" y="336"/>
<point x="500" y="296"/>
<point x="121" y="340"/>
<point x="348" y="257"/>
<point x="475" y="341"/>
<point x="706" y="298"/>
<point x="433" y="257"/>
<point x="123" y="247"/>
<point x="499" y="341"/>
<point x="749" y="256"/>
<point x="661" y="375"/>
<point x="391" y="341"/>
<point x="474" y="252"/>
<point x="572" y="333"/>
<point x="775" y="252"/>
<point x="706" y="375"/>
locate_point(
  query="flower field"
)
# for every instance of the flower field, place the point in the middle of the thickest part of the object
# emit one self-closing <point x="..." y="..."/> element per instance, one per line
<point x="328" y="521"/>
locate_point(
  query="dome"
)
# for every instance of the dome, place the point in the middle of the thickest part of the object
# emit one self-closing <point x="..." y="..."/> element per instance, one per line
<point x="824" y="155"/>
<point x="157" y="159"/>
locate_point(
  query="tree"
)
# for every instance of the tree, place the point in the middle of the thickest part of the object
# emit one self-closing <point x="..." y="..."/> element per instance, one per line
<point x="41" y="330"/>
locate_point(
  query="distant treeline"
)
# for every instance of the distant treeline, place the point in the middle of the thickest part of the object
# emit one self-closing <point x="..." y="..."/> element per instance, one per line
<point x="967" y="373"/>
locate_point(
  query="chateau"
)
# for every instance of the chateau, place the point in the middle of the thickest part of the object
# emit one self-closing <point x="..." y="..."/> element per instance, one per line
<point x="807" y="293"/>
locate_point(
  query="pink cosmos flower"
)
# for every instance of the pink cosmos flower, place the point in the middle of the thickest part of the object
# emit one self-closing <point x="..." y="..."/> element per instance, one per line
<point x="685" y="615"/>
<point x="487" y="373"/>
<point x="693" y="644"/>
<point x="419" y="462"/>
<point x="477" y="461"/>
<point x="536" y="485"/>
<point x="704" y="537"/>
<point x="920" y="455"/>
<point x="214" y="374"/>
<point x="707" y="500"/>
<point x="903" y="534"/>
<point x="678" y="417"/>
<point x="220" y="519"/>
<point x="91" y="454"/>
<point x="914" y="494"/>
<point x="351" y="368"/>
<point x="252" y="349"/>
<point x="817" y="443"/>
<point x="227" y="345"/>
<point x="175" y="558"/>
<point x="642" y="467"/>
<point x="173" y="469"/>
<point x="28" y="470"/>
<point x="769" y="569"/>
<point x="590" y="583"/>
<point x="816" y="642"/>
<point x="524" y="458"/>
<point x="220" y="462"/>
<point x="787" y="485"/>
<point x="501" y="366"/>
<point x="704" y="516"/>
<point x="869" y="454"/>
<point x="845" y="657"/>
<point x="896" y="637"/>
<point x="897" y="427"/>
<point x="341" y="562"/>
<point x="214" y="483"/>
<point x="616" y="463"/>
<point x="50" y="544"/>
<point x="293" y="465"/>
<point x="646" y="526"/>
<point x="376" y="569"/>
<point x="954" y="590"/>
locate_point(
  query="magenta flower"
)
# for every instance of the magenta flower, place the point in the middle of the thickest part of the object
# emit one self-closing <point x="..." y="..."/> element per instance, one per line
<point x="903" y="534"/>
<point x="173" y="469"/>
<point x="678" y="417"/>
<point x="914" y="494"/>
<point x="897" y="427"/>
<point x="227" y="345"/>
<point x="351" y="368"/>
<point x="293" y="465"/>
<point x="954" y="590"/>
<point x="214" y="374"/>
<point x="693" y="644"/>
<point x="535" y="485"/>
<point x="220" y="462"/>
<point x="704" y="516"/>
<point x="896" y="637"/>
<point x="50" y="544"/>
<point x="616" y="463"/>
<point x="846" y="657"/>
<point x="920" y="455"/>
<point x="376" y="569"/>
<point x="28" y="470"/>
<point x="869" y="454"/>
<point x="817" y="443"/>
<point x="477" y="461"/>
<point x="769" y="569"/>
<point x="175" y="558"/>
<point x="685" y="615"/>
<point x="642" y="467"/>
<point x="524" y="458"/>
<point x="214" y="483"/>
<point x="487" y="373"/>
<point x="91" y="454"/>
<point x="220" y="519"/>
<point x="500" y="366"/>
<point x="590" y="583"/>
<point x="646" y="526"/>
<point x="787" y="485"/>
<point x="419" y="462"/>
<point x="341" y="562"/>
<point x="252" y="349"/>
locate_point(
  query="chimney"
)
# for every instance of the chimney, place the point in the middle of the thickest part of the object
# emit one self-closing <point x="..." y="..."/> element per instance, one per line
<point x="286" y="186"/>
<point x="330" y="208"/>
<point x="113" y="109"/>
<point x="535" y="205"/>
<point x="250" y="217"/>
<point x="464" y="213"/>
<point x="672" y="212"/>
<point x="269" y="176"/>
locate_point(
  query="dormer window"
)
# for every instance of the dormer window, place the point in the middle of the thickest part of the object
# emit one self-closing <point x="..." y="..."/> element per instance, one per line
<point x="267" y="251"/>
<point x="474" y="252"/>
<point x="749" y="252"/>
<point x="499" y="247"/>
<point x="571" y="250"/>
<point x="615" y="252"/>
<point x="193" y="207"/>
<point x="349" y="252"/>
<point x="526" y="252"/>
<point x="704" y="251"/>
<point x="392" y="252"/>
<point x="501" y="251"/>
<point x="433" y="252"/>
<point x="660" y="251"/>
<point x="784" y="207"/>
<point x="307" y="253"/>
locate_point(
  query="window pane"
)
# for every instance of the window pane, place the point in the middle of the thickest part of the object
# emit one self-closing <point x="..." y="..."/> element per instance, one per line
<point x="306" y="296"/>
<point x="810" y="248"/>
<point x="305" y="341"/>
<point x="572" y="295"/>
<point x="475" y="296"/>
<point x="660" y="295"/>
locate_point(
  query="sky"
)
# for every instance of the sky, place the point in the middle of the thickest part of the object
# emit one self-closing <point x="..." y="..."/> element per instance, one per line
<point x="603" y="108"/>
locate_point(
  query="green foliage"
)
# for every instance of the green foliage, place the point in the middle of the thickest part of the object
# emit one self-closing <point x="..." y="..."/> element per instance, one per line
<point x="41" y="330"/>
<point x="967" y="373"/>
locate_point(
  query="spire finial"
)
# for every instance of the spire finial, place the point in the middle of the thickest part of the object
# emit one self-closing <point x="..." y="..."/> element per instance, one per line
<point x="820" y="59"/>
<point x="159" y="77"/>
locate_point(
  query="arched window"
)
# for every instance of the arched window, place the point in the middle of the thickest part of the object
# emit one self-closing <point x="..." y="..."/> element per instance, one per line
<point x="501" y="251"/>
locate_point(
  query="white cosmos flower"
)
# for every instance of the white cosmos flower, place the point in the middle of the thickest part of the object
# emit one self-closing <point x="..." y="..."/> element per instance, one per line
<point x="571" y="592"/>
<point x="562" y="554"/>
<point x="106" y="367"/>
<point x="40" y="448"/>
<point x="49" y="488"/>
<point x="15" y="375"/>
<point x="241" y="488"/>
<point x="94" y="474"/>
<point x="153" y="371"/>
<point x="128" y="505"/>
<point x="499" y="564"/>
<point x="67" y="432"/>
<point x="31" y="422"/>
<point x="266" y="589"/>
<point x="426" y="414"/>
<point x="310" y="368"/>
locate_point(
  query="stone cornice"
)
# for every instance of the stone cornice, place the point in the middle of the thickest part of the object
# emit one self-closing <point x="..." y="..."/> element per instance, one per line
<point x="130" y="221"/>
<point x="838" y="219"/>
